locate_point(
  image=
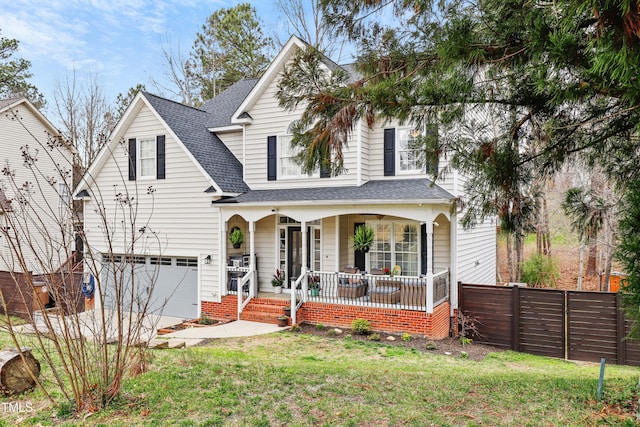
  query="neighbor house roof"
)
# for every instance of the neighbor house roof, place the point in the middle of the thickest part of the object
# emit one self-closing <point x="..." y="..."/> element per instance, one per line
<point x="4" y="103"/>
<point x="419" y="189"/>
<point x="190" y="126"/>
<point x="222" y="107"/>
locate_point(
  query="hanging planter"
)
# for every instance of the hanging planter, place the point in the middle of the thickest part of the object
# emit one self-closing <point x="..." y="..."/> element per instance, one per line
<point x="236" y="237"/>
<point x="363" y="238"/>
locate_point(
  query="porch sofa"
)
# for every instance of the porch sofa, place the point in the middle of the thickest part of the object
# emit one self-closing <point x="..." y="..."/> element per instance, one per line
<point x="352" y="287"/>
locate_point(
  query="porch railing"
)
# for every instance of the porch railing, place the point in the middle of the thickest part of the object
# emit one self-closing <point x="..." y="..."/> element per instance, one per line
<point x="402" y="292"/>
<point x="239" y="284"/>
<point x="297" y="297"/>
<point x="440" y="287"/>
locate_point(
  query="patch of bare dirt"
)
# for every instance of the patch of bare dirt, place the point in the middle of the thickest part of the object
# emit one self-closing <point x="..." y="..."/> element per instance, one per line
<point x="447" y="347"/>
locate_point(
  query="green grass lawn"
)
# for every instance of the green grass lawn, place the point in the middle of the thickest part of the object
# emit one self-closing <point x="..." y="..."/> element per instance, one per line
<point x="289" y="379"/>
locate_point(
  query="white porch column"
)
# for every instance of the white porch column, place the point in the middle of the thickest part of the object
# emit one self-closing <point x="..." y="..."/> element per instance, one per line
<point x="429" y="227"/>
<point x="303" y="269"/>
<point x="222" y="258"/>
<point x="337" y="248"/>
<point x="453" y="266"/>
<point x="252" y="255"/>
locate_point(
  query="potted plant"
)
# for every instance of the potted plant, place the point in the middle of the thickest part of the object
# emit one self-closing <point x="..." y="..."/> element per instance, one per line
<point x="363" y="238"/>
<point x="314" y="286"/>
<point x="277" y="281"/>
<point x="283" y="320"/>
<point x="236" y="237"/>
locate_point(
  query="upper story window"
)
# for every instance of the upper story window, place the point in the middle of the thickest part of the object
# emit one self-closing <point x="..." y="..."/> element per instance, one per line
<point x="407" y="151"/>
<point x="147" y="157"/>
<point x="410" y="152"/>
<point x="288" y="166"/>
<point x="65" y="198"/>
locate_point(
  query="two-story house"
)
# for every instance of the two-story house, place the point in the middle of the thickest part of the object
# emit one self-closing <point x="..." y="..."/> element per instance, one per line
<point x="36" y="235"/>
<point x="195" y="175"/>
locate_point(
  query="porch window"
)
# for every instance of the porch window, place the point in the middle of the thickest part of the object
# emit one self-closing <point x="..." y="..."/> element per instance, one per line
<point x="395" y="244"/>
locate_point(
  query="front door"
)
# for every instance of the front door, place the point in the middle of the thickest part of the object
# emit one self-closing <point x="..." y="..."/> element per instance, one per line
<point x="294" y="255"/>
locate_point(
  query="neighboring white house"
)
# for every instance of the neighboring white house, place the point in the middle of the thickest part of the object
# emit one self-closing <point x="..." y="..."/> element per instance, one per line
<point x="196" y="174"/>
<point x="35" y="190"/>
<point x="37" y="244"/>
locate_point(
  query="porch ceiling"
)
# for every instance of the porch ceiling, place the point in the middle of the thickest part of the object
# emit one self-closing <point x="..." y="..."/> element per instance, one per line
<point x="382" y="191"/>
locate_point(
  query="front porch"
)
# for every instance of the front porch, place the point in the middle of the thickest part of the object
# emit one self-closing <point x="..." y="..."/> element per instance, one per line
<point x="395" y="304"/>
<point x="309" y="242"/>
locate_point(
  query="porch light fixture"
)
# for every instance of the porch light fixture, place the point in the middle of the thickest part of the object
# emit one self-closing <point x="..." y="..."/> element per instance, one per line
<point x="207" y="259"/>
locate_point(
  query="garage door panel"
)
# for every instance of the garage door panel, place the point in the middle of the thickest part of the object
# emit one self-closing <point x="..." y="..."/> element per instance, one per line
<point x="171" y="290"/>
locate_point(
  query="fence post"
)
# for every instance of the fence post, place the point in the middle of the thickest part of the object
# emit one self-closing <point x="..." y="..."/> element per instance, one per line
<point x="620" y="332"/>
<point x="566" y="321"/>
<point x="515" y="319"/>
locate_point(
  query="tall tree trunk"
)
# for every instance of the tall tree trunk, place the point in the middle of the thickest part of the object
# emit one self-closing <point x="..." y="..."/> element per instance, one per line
<point x="509" y="237"/>
<point x="593" y="254"/>
<point x="519" y="249"/>
<point x="498" y="274"/>
<point x="545" y="220"/>
<point x="581" y="266"/>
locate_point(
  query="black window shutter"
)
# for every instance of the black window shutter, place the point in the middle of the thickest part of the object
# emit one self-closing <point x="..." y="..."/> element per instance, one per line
<point x="432" y="162"/>
<point x="423" y="252"/>
<point x="160" y="157"/>
<point x="389" y="152"/>
<point x="132" y="159"/>
<point x="272" y="158"/>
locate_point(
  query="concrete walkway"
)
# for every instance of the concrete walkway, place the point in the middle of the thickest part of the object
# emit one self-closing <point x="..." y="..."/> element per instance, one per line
<point x="196" y="335"/>
<point x="91" y="326"/>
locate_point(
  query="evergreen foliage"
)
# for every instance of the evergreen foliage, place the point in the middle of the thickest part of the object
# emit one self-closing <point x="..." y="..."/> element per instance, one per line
<point x="14" y="74"/>
<point x="628" y="253"/>
<point x="230" y="47"/>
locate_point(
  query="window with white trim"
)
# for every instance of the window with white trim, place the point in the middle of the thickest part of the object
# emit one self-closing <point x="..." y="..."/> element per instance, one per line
<point x="409" y="152"/>
<point x="287" y="164"/>
<point x="147" y="157"/>
<point x="395" y="243"/>
<point x="63" y="191"/>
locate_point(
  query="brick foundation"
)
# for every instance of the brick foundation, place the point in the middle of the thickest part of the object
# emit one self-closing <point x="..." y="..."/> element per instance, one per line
<point x="435" y="325"/>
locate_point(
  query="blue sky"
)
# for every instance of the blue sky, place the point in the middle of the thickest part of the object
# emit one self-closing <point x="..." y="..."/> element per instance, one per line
<point x="120" y="41"/>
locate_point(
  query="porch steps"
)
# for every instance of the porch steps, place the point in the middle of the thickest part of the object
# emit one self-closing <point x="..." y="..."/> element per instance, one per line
<point x="264" y="310"/>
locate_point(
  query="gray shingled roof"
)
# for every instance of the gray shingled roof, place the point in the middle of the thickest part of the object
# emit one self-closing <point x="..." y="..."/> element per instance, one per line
<point x="6" y="102"/>
<point x="384" y="190"/>
<point x="222" y="107"/>
<point x="189" y="125"/>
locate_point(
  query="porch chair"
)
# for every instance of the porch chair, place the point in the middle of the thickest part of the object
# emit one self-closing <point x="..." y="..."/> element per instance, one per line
<point x="352" y="287"/>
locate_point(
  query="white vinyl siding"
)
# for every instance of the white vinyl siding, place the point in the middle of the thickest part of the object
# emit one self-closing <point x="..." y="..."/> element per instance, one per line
<point x="177" y="214"/>
<point x="47" y="220"/>
<point x="477" y="254"/>
<point x="269" y="119"/>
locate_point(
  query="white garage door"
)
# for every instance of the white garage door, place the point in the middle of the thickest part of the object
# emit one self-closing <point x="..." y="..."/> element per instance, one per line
<point x="168" y="285"/>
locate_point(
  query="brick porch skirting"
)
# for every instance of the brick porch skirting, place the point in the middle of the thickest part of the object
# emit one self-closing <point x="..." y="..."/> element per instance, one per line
<point x="391" y="320"/>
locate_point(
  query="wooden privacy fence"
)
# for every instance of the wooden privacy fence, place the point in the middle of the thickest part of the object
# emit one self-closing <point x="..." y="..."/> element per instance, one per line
<point x="576" y="325"/>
